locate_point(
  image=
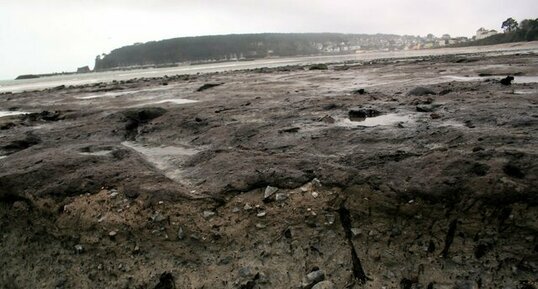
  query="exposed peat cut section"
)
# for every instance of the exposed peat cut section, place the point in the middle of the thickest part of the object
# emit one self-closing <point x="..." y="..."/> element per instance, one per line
<point x="399" y="173"/>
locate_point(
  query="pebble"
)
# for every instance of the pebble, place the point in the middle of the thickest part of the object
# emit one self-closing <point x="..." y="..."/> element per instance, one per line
<point x="324" y="285"/>
<point x="247" y="207"/>
<point x="208" y="214"/>
<point x="79" y="249"/>
<point x="261" y="214"/>
<point x="158" y="217"/>
<point x="260" y="226"/>
<point x="112" y="233"/>
<point x="269" y="191"/>
<point x="315" y="276"/>
<point x="236" y="210"/>
<point x="356" y="231"/>
<point x="315" y="194"/>
<point x="180" y="234"/>
<point x="279" y="197"/>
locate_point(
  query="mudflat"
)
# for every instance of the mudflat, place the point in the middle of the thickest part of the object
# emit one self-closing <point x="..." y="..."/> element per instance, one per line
<point x="417" y="172"/>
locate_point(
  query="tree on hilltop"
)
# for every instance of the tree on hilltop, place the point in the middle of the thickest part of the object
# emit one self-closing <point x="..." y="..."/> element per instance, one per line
<point x="509" y="25"/>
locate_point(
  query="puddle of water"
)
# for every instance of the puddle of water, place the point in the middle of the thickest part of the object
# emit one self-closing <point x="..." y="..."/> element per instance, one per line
<point x="168" y="159"/>
<point x="382" y="120"/>
<point x="517" y="79"/>
<point x="175" y="101"/>
<point x="123" y="92"/>
<point x="11" y="113"/>
<point x="101" y="153"/>
<point x="525" y="79"/>
<point x="108" y="94"/>
<point x="160" y="151"/>
<point x="525" y="91"/>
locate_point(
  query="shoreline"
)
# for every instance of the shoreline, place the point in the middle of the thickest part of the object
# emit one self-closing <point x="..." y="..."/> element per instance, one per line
<point x="107" y="76"/>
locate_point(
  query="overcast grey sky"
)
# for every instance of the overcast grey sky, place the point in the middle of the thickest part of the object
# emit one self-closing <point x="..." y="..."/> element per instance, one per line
<point x="39" y="36"/>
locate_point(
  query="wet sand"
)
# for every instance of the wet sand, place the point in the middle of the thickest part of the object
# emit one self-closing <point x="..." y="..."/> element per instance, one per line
<point x="112" y="184"/>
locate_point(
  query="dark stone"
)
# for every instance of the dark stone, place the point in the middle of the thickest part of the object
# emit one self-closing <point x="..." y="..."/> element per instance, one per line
<point x="425" y="108"/>
<point x="407" y="283"/>
<point x="360" y="91"/>
<point x="320" y="66"/>
<point x="513" y="171"/>
<point x="421" y="91"/>
<point x="166" y="281"/>
<point x="289" y="130"/>
<point x="208" y="86"/>
<point x="435" y="116"/>
<point x="362" y="113"/>
<point x="507" y="80"/>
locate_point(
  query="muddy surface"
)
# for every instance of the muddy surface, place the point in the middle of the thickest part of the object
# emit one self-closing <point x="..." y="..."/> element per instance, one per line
<point x="277" y="178"/>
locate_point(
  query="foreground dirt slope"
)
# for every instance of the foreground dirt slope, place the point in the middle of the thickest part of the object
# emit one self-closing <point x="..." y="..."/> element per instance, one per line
<point x="127" y="185"/>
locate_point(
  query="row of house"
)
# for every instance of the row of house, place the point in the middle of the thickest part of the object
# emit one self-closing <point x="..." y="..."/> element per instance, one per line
<point x="484" y="33"/>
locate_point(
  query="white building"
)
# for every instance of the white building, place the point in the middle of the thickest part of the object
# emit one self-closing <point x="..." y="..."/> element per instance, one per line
<point x="484" y="33"/>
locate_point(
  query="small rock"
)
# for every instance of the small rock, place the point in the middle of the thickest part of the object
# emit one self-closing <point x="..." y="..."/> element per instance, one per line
<point x="158" y="217"/>
<point x="425" y="108"/>
<point x="279" y="197"/>
<point x="261" y="214"/>
<point x="356" y="231"/>
<point x="114" y="195"/>
<point x="269" y="191"/>
<point x="320" y="66"/>
<point x="315" y="276"/>
<point x="507" y="80"/>
<point x="236" y="210"/>
<point x="260" y="226"/>
<point x="166" y="281"/>
<point x="435" y="116"/>
<point x="359" y="91"/>
<point x="208" y="214"/>
<point x="315" y="195"/>
<point x="180" y="234"/>
<point x="362" y="113"/>
<point x="79" y="249"/>
<point x="247" y="207"/>
<point x="112" y="234"/>
<point x="208" y="86"/>
<point x="324" y="285"/>
<point x="316" y="183"/>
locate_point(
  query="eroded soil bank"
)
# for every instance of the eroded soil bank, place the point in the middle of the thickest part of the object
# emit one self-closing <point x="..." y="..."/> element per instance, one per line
<point x="156" y="183"/>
